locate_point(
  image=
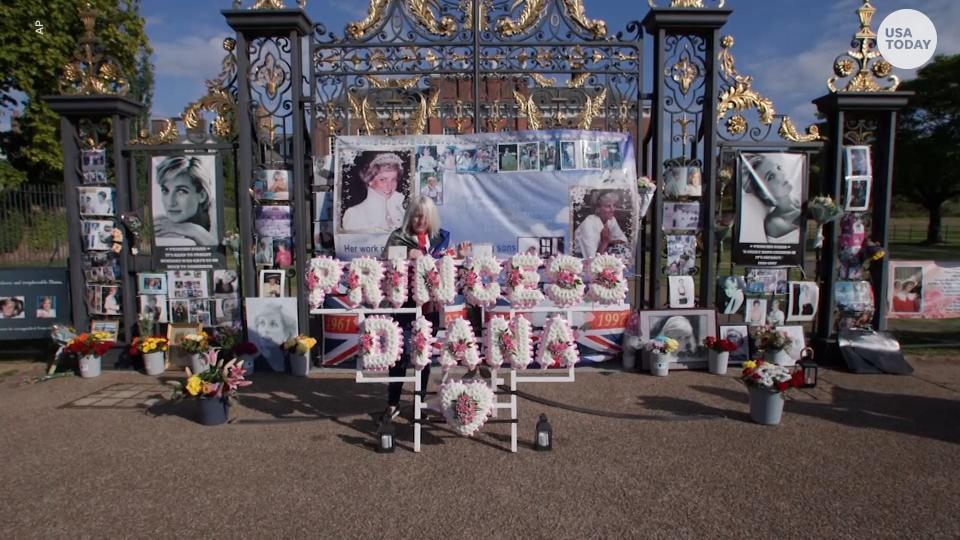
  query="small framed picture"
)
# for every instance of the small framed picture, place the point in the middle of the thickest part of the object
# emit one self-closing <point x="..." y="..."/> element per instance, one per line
<point x="591" y="154"/>
<point x="272" y="283"/>
<point x="681" y="291"/>
<point x="756" y="314"/>
<point x="529" y="156"/>
<point x="688" y="326"/>
<point x="681" y="215"/>
<point x="858" y="160"/>
<point x="681" y="254"/>
<point x="739" y="336"/>
<point x="111" y="327"/>
<point x="802" y="301"/>
<point x="775" y="314"/>
<point x="96" y="201"/>
<point x="730" y="294"/>
<point x="858" y="193"/>
<point x="264" y="252"/>
<point x="272" y="185"/>
<point x="508" y="159"/>
<point x="150" y="283"/>
<point x="570" y="156"/>
<point x="431" y="185"/>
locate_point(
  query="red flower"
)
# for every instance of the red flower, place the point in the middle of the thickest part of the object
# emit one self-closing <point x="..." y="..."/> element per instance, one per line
<point x="797" y="378"/>
<point x="782" y="386"/>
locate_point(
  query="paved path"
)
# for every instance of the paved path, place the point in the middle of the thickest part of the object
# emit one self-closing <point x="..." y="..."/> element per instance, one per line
<point x="861" y="456"/>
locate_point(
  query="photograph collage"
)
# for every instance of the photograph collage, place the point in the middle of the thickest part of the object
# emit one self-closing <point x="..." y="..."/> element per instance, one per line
<point x="101" y="271"/>
<point x="184" y="296"/>
<point x="681" y="218"/>
<point x="24" y="307"/>
<point x="273" y="223"/>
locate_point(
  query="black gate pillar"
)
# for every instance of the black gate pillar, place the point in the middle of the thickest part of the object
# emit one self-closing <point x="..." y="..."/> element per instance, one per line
<point x="683" y="123"/>
<point x="278" y="100"/>
<point x="861" y="112"/>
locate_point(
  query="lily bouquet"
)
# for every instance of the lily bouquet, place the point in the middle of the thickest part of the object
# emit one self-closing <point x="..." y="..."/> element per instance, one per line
<point x="299" y="344"/>
<point x="663" y="345"/>
<point x="220" y="380"/>
<point x="770" y="377"/>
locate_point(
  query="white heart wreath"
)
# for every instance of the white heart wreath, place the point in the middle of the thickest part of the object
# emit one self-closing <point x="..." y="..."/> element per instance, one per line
<point x="566" y="282"/>
<point x="607" y="284"/>
<point x="466" y="406"/>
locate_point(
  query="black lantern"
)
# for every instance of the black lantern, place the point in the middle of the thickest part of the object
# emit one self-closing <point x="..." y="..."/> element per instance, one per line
<point x="385" y="434"/>
<point x="809" y="368"/>
<point x="544" y="439"/>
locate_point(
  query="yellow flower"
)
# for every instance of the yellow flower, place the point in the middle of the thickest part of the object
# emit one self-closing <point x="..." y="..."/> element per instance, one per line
<point x="749" y="364"/>
<point x="193" y="385"/>
<point x="671" y="345"/>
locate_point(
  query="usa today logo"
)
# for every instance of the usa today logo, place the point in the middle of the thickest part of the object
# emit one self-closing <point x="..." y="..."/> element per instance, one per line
<point x="907" y="38"/>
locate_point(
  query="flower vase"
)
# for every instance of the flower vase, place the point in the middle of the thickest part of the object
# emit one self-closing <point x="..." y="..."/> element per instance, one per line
<point x="717" y="362"/>
<point x="90" y="366"/>
<point x="660" y="363"/>
<point x="299" y="364"/>
<point x="154" y="363"/>
<point x="198" y="362"/>
<point x="248" y="364"/>
<point x="778" y="357"/>
<point x="766" y="407"/>
<point x="213" y="410"/>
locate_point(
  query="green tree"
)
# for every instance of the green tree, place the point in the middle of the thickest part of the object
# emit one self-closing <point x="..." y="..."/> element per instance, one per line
<point x="31" y="65"/>
<point x="927" y="169"/>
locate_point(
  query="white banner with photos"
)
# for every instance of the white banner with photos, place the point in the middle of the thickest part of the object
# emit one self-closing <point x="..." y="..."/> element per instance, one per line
<point x="543" y="192"/>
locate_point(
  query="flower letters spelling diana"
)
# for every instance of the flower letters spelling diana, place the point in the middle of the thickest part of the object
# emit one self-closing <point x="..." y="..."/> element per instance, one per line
<point x="363" y="281"/>
<point x="607" y="284"/>
<point x="508" y="341"/>
<point x="323" y="276"/>
<point x="460" y="347"/>
<point x="433" y="284"/>
<point x="566" y="281"/>
<point x="557" y="346"/>
<point x="380" y="343"/>
<point x="523" y="280"/>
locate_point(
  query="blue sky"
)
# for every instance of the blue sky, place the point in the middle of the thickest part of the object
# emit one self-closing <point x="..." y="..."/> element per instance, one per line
<point x="788" y="46"/>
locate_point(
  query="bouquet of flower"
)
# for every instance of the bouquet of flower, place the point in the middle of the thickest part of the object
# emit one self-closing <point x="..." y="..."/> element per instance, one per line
<point x="219" y="380"/>
<point x="719" y="345"/>
<point x="299" y="344"/>
<point x="644" y="184"/>
<point x="768" y="338"/>
<point x="195" y="343"/>
<point x="645" y="190"/>
<point x="245" y="347"/>
<point x="87" y="343"/>
<point x="227" y="337"/>
<point x="147" y="345"/>
<point x="147" y="324"/>
<point x="770" y="377"/>
<point x="663" y="345"/>
<point x="823" y="210"/>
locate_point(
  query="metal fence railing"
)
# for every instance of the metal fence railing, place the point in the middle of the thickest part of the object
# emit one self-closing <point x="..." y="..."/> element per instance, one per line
<point x="910" y="233"/>
<point x="33" y="226"/>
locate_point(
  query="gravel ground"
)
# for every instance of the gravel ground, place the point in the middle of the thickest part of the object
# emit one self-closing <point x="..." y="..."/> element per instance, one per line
<point x="860" y="456"/>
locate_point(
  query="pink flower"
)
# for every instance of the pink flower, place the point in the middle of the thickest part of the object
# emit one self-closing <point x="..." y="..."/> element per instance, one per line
<point x="235" y="377"/>
<point x="367" y="343"/>
<point x="566" y="279"/>
<point x="420" y="342"/>
<point x="607" y="278"/>
<point x="558" y="349"/>
<point x="312" y="280"/>
<point x="470" y="278"/>
<point x="394" y="278"/>
<point x="506" y="341"/>
<point x="514" y="277"/>
<point x="353" y="281"/>
<point x="433" y="278"/>
<point x="465" y="408"/>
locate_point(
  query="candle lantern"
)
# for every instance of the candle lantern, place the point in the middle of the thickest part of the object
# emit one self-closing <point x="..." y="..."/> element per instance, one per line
<point x="385" y="434"/>
<point x="544" y="439"/>
<point x="809" y="368"/>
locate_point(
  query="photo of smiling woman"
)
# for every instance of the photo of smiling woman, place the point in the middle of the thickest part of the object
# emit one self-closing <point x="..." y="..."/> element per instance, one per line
<point x="771" y="195"/>
<point x="184" y="202"/>
<point x="373" y="190"/>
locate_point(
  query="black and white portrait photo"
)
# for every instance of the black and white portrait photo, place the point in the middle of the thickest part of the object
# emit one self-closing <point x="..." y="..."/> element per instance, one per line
<point x="270" y="322"/>
<point x="681" y="216"/>
<point x="730" y="294"/>
<point x="770" y="200"/>
<point x="681" y="254"/>
<point x="96" y="201"/>
<point x="803" y="299"/>
<point x="858" y="193"/>
<point x="184" y="201"/>
<point x="756" y="312"/>
<point x="98" y="234"/>
<point x="739" y="336"/>
<point x="681" y="291"/>
<point x="373" y="190"/>
<point x="603" y="223"/>
<point x="225" y="283"/>
<point x="857" y="161"/>
<point x="688" y="327"/>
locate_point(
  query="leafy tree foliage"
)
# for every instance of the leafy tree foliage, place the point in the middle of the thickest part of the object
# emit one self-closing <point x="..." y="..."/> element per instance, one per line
<point x="31" y="65"/>
<point x="927" y="169"/>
